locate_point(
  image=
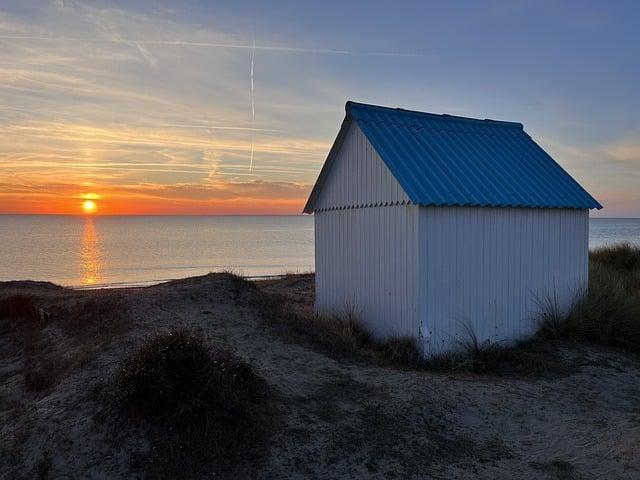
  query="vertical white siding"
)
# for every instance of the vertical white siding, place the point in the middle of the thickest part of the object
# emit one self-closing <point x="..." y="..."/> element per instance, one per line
<point x="489" y="269"/>
<point x="359" y="177"/>
<point x="366" y="261"/>
<point x="429" y="271"/>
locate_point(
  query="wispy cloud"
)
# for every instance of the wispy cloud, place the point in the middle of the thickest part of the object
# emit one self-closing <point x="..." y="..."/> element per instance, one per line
<point x="127" y="99"/>
<point x="626" y="150"/>
<point x="151" y="60"/>
<point x="240" y="46"/>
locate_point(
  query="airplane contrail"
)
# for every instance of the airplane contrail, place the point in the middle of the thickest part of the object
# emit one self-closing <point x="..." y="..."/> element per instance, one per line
<point x="253" y="56"/>
<point x="253" y="108"/>
<point x="213" y="127"/>
<point x="184" y="43"/>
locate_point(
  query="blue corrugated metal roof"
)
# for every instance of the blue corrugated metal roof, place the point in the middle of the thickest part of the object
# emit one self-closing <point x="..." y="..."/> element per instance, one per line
<point x="457" y="161"/>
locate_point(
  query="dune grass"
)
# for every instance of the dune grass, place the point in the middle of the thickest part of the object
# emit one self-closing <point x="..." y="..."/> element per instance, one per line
<point x="338" y="335"/>
<point x="37" y="315"/>
<point x="345" y="336"/>
<point x="609" y="313"/>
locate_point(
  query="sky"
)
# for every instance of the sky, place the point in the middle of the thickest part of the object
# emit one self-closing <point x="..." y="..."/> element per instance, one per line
<point x="159" y="107"/>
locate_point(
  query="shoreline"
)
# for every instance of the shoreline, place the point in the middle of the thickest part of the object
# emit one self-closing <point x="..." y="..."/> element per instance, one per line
<point x="151" y="283"/>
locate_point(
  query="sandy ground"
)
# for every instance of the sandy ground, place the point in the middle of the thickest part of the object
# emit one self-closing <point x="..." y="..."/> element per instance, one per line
<point x="340" y="418"/>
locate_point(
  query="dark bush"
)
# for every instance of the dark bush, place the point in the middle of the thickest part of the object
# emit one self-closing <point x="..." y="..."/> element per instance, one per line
<point x="177" y="378"/>
<point x="205" y="408"/>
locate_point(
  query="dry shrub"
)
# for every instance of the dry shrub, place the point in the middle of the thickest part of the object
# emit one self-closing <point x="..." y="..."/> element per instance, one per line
<point x="177" y="378"/>
<point x="203" y="404"/>
<point x="76" y="313"/>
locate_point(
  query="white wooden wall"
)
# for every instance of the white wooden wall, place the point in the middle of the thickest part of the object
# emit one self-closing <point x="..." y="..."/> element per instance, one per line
<point x="359" y="177"/>
<point x="491" y="267"/>
<point x="429" y="271"/>
<point x="366" y="261"/>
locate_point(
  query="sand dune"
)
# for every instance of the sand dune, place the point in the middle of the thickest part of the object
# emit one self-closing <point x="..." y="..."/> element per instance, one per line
<point x="337" y="417"/>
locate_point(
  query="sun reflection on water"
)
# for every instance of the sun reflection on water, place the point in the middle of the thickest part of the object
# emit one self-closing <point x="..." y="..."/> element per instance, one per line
<point x="90" y="255"/>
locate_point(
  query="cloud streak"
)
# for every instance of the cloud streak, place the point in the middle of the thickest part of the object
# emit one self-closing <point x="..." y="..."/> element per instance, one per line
<point x="236" y="46"/>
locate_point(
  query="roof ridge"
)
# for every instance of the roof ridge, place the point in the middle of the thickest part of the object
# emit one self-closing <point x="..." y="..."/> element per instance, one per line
<point x="439" y="116"/>
<point x="444" y="128"/>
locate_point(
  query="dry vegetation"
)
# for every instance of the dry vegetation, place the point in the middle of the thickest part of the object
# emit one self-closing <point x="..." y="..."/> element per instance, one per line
<point x="55" y="329"/>
<point x="289" y="313"/>
<point x="608" y="315"/>
<point x="218" y="377"/>
<point x="201" y="406"/>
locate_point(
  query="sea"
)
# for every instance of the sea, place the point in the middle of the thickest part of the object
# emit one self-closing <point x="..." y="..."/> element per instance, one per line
<point x="98" y="251"/>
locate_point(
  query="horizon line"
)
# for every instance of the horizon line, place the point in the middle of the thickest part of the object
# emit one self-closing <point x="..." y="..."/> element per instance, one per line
<point x="215" y="215"/>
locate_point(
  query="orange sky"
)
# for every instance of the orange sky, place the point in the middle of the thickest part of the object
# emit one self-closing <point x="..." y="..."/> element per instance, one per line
<point x="156" y="113"/>
<point x="124" y="206"/>
<point x="51" y="167"/>
<point x="250" y="198"/>
<point x="150" y="130"/>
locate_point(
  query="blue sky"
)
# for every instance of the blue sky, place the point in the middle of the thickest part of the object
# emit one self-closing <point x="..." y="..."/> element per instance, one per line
<point x="117" y="98"/>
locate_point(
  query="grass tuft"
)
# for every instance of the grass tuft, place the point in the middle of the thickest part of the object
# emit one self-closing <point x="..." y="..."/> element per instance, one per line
<point x="401" y="351"/>
<point x="339" y="335"/>
<point x="622" y="256"/>
<point x="609" y="314"/>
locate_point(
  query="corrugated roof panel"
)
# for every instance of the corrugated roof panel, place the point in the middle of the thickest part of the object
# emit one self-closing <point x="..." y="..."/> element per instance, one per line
<point x="447" y="160"/>
<point x="457" y="161"/>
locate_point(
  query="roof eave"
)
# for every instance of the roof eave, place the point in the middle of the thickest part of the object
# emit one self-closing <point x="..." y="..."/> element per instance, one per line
<point x="326" y="167"/>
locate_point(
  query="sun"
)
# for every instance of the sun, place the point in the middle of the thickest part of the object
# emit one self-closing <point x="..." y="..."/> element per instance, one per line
<point x="89" y="206"/>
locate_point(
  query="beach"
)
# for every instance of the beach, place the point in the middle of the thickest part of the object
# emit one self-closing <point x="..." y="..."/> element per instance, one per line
<point x="312" y="240"/>
<point x="334" y="415"/>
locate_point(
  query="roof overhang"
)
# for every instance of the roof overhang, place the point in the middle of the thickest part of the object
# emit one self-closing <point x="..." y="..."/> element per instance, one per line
<point x="326" y="168"/>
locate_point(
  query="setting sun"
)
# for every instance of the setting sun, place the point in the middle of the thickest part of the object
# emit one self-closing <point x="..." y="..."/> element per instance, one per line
<point x="89" y="206"/>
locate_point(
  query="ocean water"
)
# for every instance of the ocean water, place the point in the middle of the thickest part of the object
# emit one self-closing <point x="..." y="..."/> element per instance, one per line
<point x="96" y="251"/>
<point x="92" y="251"/>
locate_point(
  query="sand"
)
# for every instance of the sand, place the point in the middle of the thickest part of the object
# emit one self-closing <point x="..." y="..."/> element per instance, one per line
<point x="339" y="418"/>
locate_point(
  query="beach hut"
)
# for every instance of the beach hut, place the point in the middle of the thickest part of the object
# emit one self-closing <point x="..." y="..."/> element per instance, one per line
<point x="435" y="226"/>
